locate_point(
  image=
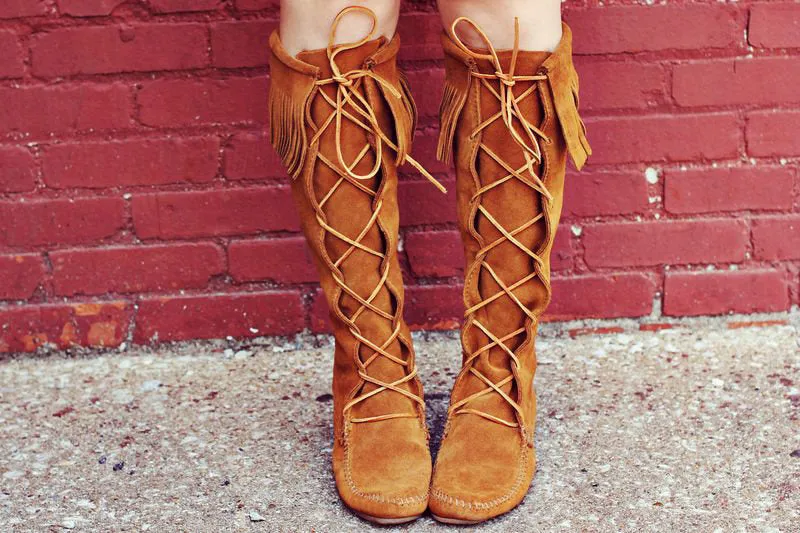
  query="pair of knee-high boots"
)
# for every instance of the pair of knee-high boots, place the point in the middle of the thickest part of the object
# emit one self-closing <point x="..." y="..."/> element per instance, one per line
<point x="342" y="121"/>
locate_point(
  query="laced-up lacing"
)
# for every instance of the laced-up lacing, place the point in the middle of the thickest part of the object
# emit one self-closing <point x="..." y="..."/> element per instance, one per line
<point x="349" y="104"/>
<point x="528" y="141"/>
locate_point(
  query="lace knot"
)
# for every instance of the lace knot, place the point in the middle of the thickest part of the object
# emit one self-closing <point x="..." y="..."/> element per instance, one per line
<point x="342" y="80"/>
<point x="506" y="79"/>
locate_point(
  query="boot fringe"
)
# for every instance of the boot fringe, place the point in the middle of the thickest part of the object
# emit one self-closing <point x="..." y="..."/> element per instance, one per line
<point x="408" y="99"/>
<point x="404" y="113"/>
<point x="453" y="101"/>
<point x="287" y="129"/>
<point x="411" y="123"/>
<point x="567" y="103"/>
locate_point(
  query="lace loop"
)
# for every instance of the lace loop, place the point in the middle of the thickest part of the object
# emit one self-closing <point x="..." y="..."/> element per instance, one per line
<point x="362" y="114"/>
<point x="509" y="108"/>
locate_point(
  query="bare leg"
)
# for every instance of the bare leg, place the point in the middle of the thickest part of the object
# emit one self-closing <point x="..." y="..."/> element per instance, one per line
<point x="539" y="22"/>
<point x="306" y="24"/>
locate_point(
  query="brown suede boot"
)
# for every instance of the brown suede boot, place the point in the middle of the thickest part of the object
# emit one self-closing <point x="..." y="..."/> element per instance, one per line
<point x="509" y="118"/>
<point x="342" y="120"/>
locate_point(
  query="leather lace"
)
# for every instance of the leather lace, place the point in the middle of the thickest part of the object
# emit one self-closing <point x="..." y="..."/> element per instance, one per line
<point x="501" y="85"/>
<point x="347" y="85"/>
<point x="352" y="106"/>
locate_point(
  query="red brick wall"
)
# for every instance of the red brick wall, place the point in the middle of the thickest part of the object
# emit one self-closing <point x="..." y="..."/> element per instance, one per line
<point x="139" y="198"/>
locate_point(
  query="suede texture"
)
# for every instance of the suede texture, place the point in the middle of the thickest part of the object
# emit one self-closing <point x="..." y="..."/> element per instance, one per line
<point x="382" y="467"/>
<point x="484" y="467"/>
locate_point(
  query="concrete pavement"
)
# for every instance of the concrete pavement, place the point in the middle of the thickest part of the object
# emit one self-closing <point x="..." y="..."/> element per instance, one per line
<point x="693" y="428"/>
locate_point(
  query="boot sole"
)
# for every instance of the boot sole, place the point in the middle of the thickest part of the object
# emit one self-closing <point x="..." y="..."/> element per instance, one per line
<point x="456" y="521"/>
<point x="387" y="521"/>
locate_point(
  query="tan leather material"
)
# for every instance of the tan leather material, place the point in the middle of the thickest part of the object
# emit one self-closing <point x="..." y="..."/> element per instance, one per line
<point x="355" y="127"/>
<point x="509" y="118"/>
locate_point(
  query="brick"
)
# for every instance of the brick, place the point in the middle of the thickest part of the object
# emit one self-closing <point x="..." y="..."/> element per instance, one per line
<point x="250" y="156"/>
<point x="751" y="81"/>
<point x="40" y="110"/>
<point x="664" y="138"/>
<point x="188" y="102"/>
<point x="131" y="162"/>
<point x="434" y="306"/>
<point x="20" y="276"/>
<point x="18" y="172"/>
<point x="577" y="332"/>
<point x="601" y="296"/>
<point x="131" y="269"/>
<point x="775" y="25"/>
<point x="422" y="203"/>
<point x="207" y="213"/>
<point x="777" y="237"/>
<point x="88" y="8"/>
<point x="589" y="194"/>
<point x="631" y="29"/>
<point x="714" y="293"/>
<point x="10" y="9"/>
<point x="10" y="55"/>
<point x="68" y="221"/>
<point x="562" y="256"/>
<point x="98" y="325"/>
<point x="108" y="49"/>
<point x="739" y="324"/>
<point x="184" y="6"/>
<point x="284" y="260"/>
<point x="773" y="133"/>
<point x="650" y="243"/>
<point x="435" y="254"/>
<point x="256" y="5"/>
<point x="728" y="189"/>
<point x="209" y="316"/>
<point x="656" y="326"/>
<point x="426" y="86"/>
<point x="421" y="35"/>
<point x="621" y="84"/>
<point x="242" y="43"/>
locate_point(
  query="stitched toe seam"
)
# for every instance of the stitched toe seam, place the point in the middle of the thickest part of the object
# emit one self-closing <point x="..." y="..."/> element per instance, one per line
<point x="483" y="506"/>
<point x="378" y="497"/>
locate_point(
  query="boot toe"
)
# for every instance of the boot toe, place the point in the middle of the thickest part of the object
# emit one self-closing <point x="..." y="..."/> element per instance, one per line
<point x="387" y="480"/>
<point x="476" y="479"/>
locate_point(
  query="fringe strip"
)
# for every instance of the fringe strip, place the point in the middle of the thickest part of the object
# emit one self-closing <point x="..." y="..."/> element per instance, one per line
<point x="287" y="129"/>
<point x="409" y="101"/>
<point x="567" y="103"/>
<point x="452" y="102"/>
<point x="404" y="113"/>
<point x="584" y="142"/>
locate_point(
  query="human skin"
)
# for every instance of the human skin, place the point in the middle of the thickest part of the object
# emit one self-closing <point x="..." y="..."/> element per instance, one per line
<point x="539" y="22"/>
<point x="306" y="24"/>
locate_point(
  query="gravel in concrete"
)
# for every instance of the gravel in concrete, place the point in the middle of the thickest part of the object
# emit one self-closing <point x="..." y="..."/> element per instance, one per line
<point x="687" y="429"/>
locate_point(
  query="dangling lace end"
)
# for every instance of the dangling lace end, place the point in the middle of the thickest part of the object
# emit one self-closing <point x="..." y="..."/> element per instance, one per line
<point x="413" y="162"/>
<point x="287" y="129"/>
<point x="452" y="102"/>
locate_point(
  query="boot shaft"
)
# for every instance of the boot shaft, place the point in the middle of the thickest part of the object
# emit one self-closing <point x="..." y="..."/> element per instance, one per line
<point x="508" y="120"/>
<point x="342" y="120"/>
